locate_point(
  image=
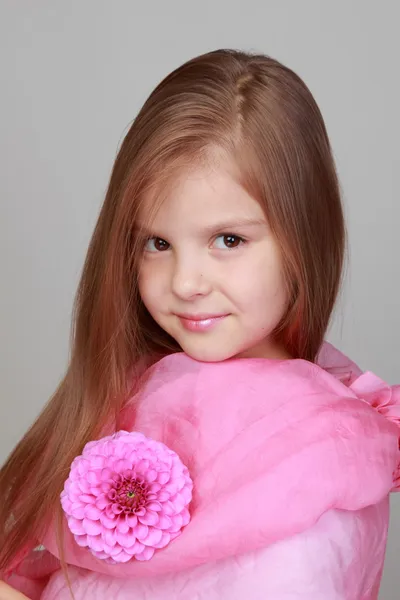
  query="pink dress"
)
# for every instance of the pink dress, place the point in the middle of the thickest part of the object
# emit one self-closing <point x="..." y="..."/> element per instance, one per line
<point x="292" y="465"/>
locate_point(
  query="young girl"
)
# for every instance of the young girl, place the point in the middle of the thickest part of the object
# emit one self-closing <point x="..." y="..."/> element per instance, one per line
<point x="205" y="443"/>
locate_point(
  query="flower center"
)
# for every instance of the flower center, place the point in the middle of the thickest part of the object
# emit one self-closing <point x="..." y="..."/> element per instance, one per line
<point x="131" y="495"/>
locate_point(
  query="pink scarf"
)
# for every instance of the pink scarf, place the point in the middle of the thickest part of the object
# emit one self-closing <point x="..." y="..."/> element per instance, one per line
<point x="270" y="445"/>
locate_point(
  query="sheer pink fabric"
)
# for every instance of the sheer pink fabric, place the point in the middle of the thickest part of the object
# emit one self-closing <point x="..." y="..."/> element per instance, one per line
<point x="292" y="465"/>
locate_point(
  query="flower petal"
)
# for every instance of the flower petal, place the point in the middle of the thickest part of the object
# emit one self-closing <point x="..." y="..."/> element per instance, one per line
<point x="163" y="477"/>
<point x="77" y="510"/>
<point x="141" y="531"/>
<point x="177" y="523"/>
<point x="147" y="554"/>
<point x="91" y="512"/>
<point x="136" y="548"/>
<point x="156" y="506"/>
<point x="105" y="487"/>
<point x="164" y="522"/>
<point x="92" y="527"/>
<point x="122" y="525"/>
<point x="163" y="496"/>
<point x="169" y="508"/>
<point x="155" y="487"/>
<point x="102" y="502"/>
<point x="106" y="474"/>
<point x="150" y="518"/>
<point x="121" y="465"/>
<point x="108" y="522"/>
<point x="108" y="537"/>
<point x="187" y="494"/>
<point x="185" y="514"/>
<point x="84" y="486"/>
<point x="132" y="520"/>
<point x="122" y="557"/>
<point x="82" y="466"/>
<point x="142" y="466"/>
<point x="66" y="504"/>
<point x="97" y="462"/>
<point x="179" y="503"/>
<point x="151" y="475"/>
<point x="116" y="509"/>
<point x="81" y="540"/>
<point x="154" y="537"/>
<point x="76" y="527"/>
<point x="95" y="542"/>
<point x="103" y="556"/>
<point x="125" y="539"/>
<point x="87" y="498"/>
<point x="165" y="540"/>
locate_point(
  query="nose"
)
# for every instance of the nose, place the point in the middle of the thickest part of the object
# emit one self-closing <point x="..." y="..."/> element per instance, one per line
<point x="189" y="278"/>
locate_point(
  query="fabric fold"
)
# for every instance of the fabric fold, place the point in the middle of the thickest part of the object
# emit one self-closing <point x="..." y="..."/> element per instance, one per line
<point x="270" y="445"/>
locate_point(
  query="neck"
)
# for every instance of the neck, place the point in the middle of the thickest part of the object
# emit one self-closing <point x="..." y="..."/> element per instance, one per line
<point x="266" y="349"/>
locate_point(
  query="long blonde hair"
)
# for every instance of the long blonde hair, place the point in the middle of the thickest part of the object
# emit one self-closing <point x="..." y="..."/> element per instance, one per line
<point x="263" y="116"/>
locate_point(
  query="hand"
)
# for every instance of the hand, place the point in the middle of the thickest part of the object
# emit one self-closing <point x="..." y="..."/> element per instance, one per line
<point x="8" y="593"/>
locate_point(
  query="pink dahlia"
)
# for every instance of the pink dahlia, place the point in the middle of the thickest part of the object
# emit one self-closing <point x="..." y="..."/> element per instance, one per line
<point x="126" y="496"/>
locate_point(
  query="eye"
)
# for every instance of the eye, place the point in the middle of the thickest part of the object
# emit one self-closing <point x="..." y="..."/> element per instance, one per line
<point x="156" y="244"/>
<point x="229" y="241"/>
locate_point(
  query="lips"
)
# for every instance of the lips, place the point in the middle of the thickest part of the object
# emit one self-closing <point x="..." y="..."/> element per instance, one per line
<point x="201" y="316"/>
<point x="200" y="322"/>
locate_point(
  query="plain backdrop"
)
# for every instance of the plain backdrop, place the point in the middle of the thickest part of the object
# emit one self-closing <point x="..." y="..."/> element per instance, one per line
<point x="74" y="74"/>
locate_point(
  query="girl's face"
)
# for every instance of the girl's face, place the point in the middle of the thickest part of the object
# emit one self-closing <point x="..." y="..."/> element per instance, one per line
<point x="211" y="272"/>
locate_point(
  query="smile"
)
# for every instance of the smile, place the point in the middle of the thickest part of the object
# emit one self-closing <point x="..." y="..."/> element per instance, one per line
<point x="200" y="322"/>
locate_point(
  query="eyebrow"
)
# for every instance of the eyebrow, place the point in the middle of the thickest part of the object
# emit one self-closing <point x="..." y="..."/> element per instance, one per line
<point x="230" y="225"/>
<point x="221" y="226"/>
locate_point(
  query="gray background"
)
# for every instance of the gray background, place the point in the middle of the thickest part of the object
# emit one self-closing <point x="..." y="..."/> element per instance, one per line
<point x="73" y="75"/>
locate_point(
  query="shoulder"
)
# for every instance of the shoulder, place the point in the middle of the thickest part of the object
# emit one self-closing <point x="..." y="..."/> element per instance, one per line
<point x="241" y="373"/>
<point x="289" y="391"/>
<point x="310" y="432"/>
<point x="269" y="384"/>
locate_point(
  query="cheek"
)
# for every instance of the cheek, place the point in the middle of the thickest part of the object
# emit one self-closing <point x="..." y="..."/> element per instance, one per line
<point x="151" y="283"/>
<point x="261" y="285"/>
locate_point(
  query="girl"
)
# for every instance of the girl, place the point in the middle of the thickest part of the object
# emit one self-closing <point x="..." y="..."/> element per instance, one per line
<point x="206" y="443"/>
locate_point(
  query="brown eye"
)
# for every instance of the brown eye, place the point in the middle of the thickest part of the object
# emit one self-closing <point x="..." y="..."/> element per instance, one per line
<point x="228" y="241"/>
<point x="156" y="245"/>
<point x="231" y="241"/>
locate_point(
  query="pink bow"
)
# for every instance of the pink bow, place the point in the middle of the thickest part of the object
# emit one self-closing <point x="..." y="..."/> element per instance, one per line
<point x="385" y="399"/>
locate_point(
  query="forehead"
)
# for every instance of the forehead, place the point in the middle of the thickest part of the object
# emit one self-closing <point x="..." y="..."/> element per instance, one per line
<point x="200" y="195"/>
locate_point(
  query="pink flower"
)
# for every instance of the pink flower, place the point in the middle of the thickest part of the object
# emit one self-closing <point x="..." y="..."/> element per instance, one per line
<point x="126" y="496"/>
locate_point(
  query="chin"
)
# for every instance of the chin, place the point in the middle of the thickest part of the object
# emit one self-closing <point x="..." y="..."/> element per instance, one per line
<point x="209" y="354"/>
<point x="208" y="357"/>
